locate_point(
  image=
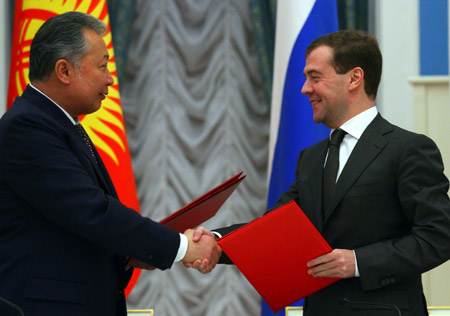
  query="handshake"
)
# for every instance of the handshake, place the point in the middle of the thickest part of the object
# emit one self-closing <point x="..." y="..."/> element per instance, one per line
<point x="202" y="253"/>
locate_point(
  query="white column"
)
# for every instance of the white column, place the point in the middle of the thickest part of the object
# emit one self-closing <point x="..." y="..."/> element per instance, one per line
<point x="397" y="30"/>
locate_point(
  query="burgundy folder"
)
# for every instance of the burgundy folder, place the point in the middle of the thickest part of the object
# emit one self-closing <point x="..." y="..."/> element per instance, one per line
<point x="272" y="252"/>
<point x="204" y="207"/>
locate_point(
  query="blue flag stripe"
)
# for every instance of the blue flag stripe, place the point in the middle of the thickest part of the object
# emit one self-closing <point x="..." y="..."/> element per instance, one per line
<point x="296" y="128"/>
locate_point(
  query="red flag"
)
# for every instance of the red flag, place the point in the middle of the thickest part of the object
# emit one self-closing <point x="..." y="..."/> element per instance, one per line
<point x="105" y="127"/>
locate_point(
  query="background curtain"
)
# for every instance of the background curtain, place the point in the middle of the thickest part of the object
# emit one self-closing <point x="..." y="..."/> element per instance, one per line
<point x="353" y="14"/>
<point x="263" y="18"/>
<point x="196" y="81"/>
<point x="121" y="14"/>
<point x="196" y="113"/>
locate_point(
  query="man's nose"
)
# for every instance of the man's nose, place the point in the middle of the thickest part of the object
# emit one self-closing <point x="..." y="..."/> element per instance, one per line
<point x="306" y="89"/>
<point x="110" y="79"/>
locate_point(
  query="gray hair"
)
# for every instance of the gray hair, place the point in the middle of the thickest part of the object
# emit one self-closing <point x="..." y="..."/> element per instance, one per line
<point x="61" y="37"/>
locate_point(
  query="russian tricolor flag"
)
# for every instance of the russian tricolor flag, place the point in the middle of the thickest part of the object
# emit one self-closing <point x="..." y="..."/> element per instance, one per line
<point x="292" y="128"/>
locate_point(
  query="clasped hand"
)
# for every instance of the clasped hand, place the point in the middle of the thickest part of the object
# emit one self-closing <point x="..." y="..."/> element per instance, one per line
<point x="203" y="252"/>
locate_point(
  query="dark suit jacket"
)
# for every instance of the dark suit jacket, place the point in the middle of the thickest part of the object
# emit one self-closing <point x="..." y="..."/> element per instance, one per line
<point x="390" y="205"/>
<point x="64" y="235"/>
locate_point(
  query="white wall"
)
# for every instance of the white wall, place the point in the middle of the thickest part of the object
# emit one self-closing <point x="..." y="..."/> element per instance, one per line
<point x="397" y="28"/>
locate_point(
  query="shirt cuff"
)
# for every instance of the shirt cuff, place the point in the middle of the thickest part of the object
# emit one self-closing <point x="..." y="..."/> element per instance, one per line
<point x="218" y="235"/>
<point x="182" y="249"/>
<point x="356" y="266"/>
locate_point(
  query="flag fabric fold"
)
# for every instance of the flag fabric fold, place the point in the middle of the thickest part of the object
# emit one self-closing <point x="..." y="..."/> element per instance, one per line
<point x="106" y="127"/>
<point x="292" y="127"/>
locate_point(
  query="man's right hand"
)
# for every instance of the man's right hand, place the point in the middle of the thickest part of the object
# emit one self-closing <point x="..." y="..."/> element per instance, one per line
<point x="202" y="250"/>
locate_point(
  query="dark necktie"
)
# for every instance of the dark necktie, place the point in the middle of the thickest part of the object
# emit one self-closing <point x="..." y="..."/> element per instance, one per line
<point x="331" y="167"/>
<point x="86" y="139"/>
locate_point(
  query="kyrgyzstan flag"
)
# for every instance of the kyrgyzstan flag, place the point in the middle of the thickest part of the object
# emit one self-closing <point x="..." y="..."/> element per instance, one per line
<point x="105" y="127"/>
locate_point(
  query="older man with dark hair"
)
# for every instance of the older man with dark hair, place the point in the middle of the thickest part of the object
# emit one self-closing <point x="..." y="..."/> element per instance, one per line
<point x="66" y="240"/>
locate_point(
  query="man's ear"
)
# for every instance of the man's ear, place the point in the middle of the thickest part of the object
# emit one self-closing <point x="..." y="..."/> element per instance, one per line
<point x="356" y="78"/>
<point x="64" y="70"/>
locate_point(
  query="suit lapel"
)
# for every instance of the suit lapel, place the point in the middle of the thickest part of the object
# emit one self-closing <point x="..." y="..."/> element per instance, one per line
<point x="98" y="167"/>
<point x="316" y="171"/>
<point x="371" y="143"/>
<point x="103" y="173"/>
<point x="43" y="103"/>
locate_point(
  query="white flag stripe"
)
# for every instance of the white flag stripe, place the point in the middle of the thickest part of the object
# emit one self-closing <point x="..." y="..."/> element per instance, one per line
<point x="291" y="16"/>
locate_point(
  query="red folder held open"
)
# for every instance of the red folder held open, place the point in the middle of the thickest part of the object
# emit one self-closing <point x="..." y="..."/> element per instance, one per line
<point x="202" y="208"/>
<point x="272" y="252"/>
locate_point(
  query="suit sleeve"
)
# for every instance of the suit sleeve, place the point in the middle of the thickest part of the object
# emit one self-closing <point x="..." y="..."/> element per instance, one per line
<point x="422" y="191"/>
<point x="41" y="168"/>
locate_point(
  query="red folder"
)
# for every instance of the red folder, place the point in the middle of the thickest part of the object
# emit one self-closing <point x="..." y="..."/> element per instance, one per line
<point x="272" y="252"/>
<point x="202" y="208"/>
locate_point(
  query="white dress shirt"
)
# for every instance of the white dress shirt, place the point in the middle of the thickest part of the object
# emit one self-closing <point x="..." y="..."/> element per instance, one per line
<point x="354" y="128"/>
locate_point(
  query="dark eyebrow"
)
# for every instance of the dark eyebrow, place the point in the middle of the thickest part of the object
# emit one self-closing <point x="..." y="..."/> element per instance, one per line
<point x="311" y="72"/>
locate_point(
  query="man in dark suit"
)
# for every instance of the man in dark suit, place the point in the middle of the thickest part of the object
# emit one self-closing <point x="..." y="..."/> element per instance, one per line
<point x="65" y="238"/>
<point x="386" y="213"/>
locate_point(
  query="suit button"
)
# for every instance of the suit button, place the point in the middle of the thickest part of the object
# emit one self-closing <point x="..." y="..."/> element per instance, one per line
<point x="151" y="257"/>
<point x="383" y="282"/>
<point x="392" y="280"/>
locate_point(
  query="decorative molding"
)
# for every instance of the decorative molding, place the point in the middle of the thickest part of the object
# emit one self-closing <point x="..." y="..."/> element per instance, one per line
<point x="427" y="80"/>
<point x="140" y="312"/>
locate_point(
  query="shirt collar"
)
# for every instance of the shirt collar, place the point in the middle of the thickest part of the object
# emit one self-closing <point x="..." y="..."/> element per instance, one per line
<point x="74" y="121"/>
<point x="358" y="124"/>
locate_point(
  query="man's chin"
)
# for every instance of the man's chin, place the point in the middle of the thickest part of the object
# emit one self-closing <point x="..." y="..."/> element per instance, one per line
<point x="317" y="119"/>
<point x="97" y="107"/>
<point x="93" y="109"/>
